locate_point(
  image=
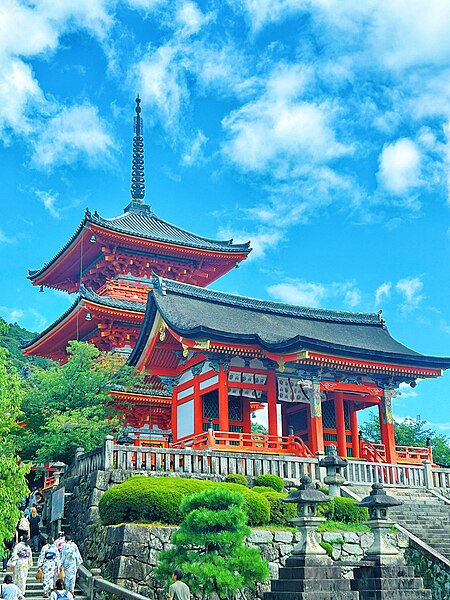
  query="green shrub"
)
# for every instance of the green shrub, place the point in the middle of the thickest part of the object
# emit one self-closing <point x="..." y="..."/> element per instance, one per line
<point x="236" y="478"/>
<point x="346" y="511"/>
<point x="280" y="512"/>
<point x="143" y="499"/>
<point x="326" y="510"/>
<point x="272" y="481"/>
<point x="262" y="489"/>
<point x="327" y="547"/>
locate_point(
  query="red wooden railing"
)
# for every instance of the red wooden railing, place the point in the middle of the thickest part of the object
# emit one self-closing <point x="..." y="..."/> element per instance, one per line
<point x="245" y="442"/>
<point x="410" y="455"/>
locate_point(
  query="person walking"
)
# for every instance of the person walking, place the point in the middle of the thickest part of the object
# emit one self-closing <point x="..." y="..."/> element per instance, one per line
<point x="178" y="590"/>
<point x="70" y="562"/>
<point x="23" y="526"/>
<point x="60" y="592"/>
<point x="9" y="545"/>
<point x="35" y="519"/>
<point x="60" y="541"/>
<point x="9" y="590"/>
<point x="21" y="559"/>
<point x="49" y="562"/>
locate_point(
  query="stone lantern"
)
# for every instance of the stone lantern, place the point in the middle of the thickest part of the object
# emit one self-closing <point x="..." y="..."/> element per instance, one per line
<point x="333" y="464"/>
<point x="308" y="499"/>
<point x="378" y="503"/>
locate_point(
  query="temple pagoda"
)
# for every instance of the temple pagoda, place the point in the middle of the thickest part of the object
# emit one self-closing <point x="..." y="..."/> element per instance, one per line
<point x="109" y="263"/>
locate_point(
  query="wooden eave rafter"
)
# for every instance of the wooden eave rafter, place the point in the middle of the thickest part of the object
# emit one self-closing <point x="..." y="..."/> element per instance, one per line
<point x="140" y="398"/>
<point x="223" y="260"/>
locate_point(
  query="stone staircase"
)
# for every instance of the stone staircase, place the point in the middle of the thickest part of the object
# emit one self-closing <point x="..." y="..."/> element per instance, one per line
<point x="34" y="588"/>
<point x="422" y="513"/>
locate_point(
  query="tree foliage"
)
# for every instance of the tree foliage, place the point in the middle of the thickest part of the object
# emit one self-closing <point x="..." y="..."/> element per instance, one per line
<point x="11" y="337"/>
<point x="69" y="405"/>
<point x="13" y="486"/>
<point x="209" y="546"/>
<point x="411" y="432"/>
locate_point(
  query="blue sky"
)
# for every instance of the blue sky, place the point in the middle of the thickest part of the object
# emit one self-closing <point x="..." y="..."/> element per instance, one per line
<point x="319" y="129"/>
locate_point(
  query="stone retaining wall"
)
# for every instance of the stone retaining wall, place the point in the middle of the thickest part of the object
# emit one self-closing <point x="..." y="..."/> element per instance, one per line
<point x="126" y="554"/>
<point x="132" y="552"/>
<point x="436" y="576"/>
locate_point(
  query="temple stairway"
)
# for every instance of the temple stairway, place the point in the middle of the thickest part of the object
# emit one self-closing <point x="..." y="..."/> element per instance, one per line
<point x="422" y="513"/>
<point x="34" y="588"/>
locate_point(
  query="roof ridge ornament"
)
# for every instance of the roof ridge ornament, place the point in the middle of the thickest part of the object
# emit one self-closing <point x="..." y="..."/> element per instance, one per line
<point x="137" y="203"/>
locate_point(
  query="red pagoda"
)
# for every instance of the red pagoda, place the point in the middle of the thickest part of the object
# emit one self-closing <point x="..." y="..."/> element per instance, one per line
<point x="211" y="359"/>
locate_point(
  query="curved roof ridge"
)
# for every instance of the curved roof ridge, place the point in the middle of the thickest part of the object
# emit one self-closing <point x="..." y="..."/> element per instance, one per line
<point x="141" y="220"/>
<point x="321" y="314"/>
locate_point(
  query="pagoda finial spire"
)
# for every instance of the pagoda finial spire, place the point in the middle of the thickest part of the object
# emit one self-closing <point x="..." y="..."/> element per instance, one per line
<point x="137" y="173"/>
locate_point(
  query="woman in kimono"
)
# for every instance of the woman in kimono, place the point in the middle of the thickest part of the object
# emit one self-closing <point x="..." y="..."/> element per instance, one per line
<point x="21" y="560"/>
<point x="49" y="562"/>
<point x="70" y="561"/>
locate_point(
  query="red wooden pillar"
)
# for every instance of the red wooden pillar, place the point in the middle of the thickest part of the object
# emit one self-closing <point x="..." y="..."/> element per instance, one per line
<point x="340" y="423"/>
<point x="198" y="408"/>
<point x="387" y="425"/>
<point x="272" y="417"/>
<point x="355" y="430"/>
<point x="223" y="401"/>
<point x="315" y="407"/>
<point x="174" y="422"/>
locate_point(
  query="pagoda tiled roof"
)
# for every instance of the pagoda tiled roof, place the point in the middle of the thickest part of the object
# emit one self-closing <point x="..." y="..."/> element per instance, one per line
<point x="90" y="295"/>
<point x="139" y="221"/>
<point x="199" y="313"/>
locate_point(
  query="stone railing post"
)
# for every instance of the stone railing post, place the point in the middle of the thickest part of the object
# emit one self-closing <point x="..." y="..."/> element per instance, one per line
<point x="96" y="574"/>
<point x="428" y="475"/>
<point x="108" y="453"/>
<point x="78" y="453"/>
<point x="320" y="470"/>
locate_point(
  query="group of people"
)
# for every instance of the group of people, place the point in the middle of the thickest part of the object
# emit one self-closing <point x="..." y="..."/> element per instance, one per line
<point x="58" y="564"/>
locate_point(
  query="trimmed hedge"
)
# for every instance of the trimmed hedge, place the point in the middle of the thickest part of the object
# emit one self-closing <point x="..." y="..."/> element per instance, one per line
<point x="346" y="511"/>
<point x="343" y="510"/>
<point x="272" y="481"/>
<point x="143" y="499"/>
<point x="280" y="512"/>
<point x="262" y="489"/>
<point x="236" y="478"/>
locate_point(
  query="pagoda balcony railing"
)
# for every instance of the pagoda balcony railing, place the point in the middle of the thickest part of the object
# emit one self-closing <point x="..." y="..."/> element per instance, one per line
<point x="228" y="441"/>
<point x="211" y="463"/>
<point x="409" y="455"/>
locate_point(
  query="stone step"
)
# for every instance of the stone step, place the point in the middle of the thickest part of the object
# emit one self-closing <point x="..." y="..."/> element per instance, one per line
<point x="383" y="583"/>
<point x="302" y="572"/>
<point x="396" y="595"/>
<point x="311" y="596"/>
<point x="311" y="585"/>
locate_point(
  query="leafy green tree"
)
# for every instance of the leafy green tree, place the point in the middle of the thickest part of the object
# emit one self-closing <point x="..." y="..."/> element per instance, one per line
<point x="69" y="405"/>
<point x="13" y="486"/>
<point x="11" y="337"/>
<point x="411" y="432"/>
<point x="209" y="546"/>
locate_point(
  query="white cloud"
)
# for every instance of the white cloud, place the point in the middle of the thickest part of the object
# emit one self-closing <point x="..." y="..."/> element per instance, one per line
<point x="314" y="294"/>
<point x="410" y="288"/>
<point x="280" y="127"/>
<point x="261" y="241"/>
<point x="5" y="239"/>
<point x="382" y="292"/>
<point x="49" y="201"/>
<point x="195" y="150"/>
<point x="74" y="133"/>
<point x="262" y="12"/>
<point x="190" y="18"/>
<point x="162" y="82"/>
<point x="399" y="166"/>
<point x="302" y="293"/>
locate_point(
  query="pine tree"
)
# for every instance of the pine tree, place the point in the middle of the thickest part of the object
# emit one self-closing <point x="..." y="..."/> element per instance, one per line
<point x="209" y="546"/>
